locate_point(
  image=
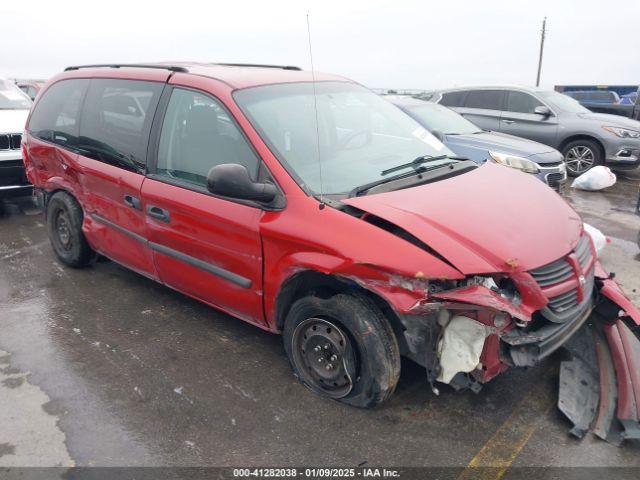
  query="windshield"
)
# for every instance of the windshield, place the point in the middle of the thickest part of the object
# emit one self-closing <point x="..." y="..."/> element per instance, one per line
<point x="563" y="102"/>
<point x="12" y="98"/>
<point x="358" y="134"/>
<point x="436" y="117"/>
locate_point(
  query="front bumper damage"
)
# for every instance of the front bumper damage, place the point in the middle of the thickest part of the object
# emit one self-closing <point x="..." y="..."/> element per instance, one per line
<point x="600" y="384"/>
<point x="600" y="380"/>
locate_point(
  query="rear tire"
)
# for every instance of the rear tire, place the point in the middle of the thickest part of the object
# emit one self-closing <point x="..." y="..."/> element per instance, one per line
<point x="581" y="156"/>
<point x="343" y="348"/>
<point x="64" y="225"/>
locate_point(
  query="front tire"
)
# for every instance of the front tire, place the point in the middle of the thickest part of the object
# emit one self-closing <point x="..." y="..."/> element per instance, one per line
<point x="343" y="348"/>
<point x="64" y="225"/>
<point x="581" y="156"/>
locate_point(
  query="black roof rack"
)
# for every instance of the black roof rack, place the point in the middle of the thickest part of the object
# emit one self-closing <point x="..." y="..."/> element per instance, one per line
<point x="259" y="65"/>
<point x="172" y="68"/>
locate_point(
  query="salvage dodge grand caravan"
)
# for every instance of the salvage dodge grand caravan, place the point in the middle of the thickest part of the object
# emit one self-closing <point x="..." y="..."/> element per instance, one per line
<point x="319" y="210"/>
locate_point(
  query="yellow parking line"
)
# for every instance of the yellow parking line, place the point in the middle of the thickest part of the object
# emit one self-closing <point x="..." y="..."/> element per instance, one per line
<point x="498" y="453"/>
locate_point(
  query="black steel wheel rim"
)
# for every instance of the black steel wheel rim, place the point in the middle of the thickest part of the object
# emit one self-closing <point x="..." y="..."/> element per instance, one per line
<point x="62" y="227"/>
<point x="324" y="356"/>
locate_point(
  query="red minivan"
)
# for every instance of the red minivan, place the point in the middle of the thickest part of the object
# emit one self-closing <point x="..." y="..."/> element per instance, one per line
<point x="308" y="205"/>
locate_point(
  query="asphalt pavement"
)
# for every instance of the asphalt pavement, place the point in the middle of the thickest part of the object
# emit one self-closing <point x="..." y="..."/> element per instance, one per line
<point x="103" y="367"/>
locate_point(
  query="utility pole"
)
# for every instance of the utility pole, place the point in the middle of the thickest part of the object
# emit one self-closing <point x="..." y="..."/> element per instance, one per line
<point x="542" y="35"/>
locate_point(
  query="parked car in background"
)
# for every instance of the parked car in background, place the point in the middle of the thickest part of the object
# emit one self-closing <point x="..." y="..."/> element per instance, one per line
<point x="468" y="140"/>
<point x="308" y="205"/>
<point x="629" y="99"/>
<point x="584" y="138"/>
<point x="30" y="87"/>
<point x="629" y="106"/>
<point x="14" y="109"/>
<point x="594" y="96"/>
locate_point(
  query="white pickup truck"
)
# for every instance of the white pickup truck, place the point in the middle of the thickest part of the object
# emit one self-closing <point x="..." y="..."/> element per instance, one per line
<point x="14" y="109"/>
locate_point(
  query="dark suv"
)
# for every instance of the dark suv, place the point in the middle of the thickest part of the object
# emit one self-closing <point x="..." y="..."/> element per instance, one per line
<point x="313" y="207"/>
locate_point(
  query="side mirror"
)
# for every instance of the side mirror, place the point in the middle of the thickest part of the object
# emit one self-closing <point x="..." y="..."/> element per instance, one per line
<point x="233" y="180"/>
<point x="542" y="110"/>
<point x="438" y="134"/>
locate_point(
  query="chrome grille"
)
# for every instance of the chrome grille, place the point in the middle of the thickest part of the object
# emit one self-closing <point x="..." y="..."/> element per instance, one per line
<point x="552" y="273"/>
<point x="10" y="141"/>
<point x="555" y="179"/>
<point x="565" y="305"/>
<point x="16" y="140"/>
<point x="564" y="301"/>
<point x="583" y="252"/>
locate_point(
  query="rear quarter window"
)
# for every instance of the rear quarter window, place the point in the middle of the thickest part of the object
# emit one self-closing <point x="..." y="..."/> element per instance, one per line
<point x="116" y="120"/>
<point x="453" y="99"/>
<point x="55" y="116"/>
<point x="485" y="99"/>
<point x="602" y="96"/>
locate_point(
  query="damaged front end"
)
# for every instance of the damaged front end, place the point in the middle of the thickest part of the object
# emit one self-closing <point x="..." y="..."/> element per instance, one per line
<point x="466" y="332"/>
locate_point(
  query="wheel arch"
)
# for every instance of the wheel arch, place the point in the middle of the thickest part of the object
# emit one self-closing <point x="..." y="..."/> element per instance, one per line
<point x="312" y="282"/>
<point x="50" y="193"/>
<point x="582" y="136"/>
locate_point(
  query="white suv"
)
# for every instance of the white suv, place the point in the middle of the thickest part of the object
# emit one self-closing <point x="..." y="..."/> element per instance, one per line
<point x="14" y="110"/>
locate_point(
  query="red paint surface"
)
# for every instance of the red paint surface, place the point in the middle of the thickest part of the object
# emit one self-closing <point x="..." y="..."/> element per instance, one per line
<point x="215" y="231"/>
<point x="625" y="351"/>
<point x="612" y="291"/>
<point x="482" y="228"/>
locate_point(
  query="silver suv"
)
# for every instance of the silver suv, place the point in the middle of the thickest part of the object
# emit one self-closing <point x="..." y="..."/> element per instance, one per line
<point x="585" y="138"/>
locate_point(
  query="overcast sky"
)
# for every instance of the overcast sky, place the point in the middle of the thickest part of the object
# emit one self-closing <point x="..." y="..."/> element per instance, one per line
<point x="401" y="44"/>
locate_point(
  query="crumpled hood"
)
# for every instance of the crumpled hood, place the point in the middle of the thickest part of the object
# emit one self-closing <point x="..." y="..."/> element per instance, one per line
<point x="13" y="121"/>
<point x="492" y="219"/>
<point x="611" y="120"/>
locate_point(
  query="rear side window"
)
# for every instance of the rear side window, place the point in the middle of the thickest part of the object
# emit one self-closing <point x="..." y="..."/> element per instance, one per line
<point x="453" y="99"/>
<point x="198" y="134"/>
<point x="116" y="120"/>
<point x="602" y="96"/>
<point x="55" y="117"/>
<point x="486" y="99"/>
<point x="521" y="102"/>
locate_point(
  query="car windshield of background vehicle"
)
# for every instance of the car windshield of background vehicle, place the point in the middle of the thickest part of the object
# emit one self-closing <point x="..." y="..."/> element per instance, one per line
<point x="563" y="102"/>
<point x="435" y="117"/>
<point x="12" y="98"/>
<point x="358" y="134"/>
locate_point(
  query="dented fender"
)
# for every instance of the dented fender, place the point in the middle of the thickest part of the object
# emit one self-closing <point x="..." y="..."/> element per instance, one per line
<point x="482" y="296"/>
<point x="612" y="291"/>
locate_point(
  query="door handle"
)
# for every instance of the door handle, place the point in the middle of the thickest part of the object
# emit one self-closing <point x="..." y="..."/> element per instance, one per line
<point x="158" y="213"/>
<point x="132" y="202"/>
<point x="508" y="122"/>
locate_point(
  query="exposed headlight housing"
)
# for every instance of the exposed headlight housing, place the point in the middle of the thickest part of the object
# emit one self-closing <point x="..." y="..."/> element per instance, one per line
<point x="514" y="161"/>
<point x="623" y="132"/>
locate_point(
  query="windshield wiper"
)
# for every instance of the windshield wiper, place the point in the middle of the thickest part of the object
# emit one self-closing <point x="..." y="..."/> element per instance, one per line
<point x="356" y="192"/>
<point x="416" y="162"/>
